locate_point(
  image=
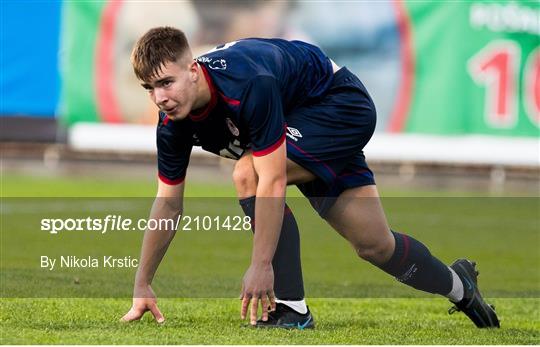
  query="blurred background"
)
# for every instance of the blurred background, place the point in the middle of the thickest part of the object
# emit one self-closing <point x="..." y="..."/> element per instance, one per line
<point x="456" y="85"/>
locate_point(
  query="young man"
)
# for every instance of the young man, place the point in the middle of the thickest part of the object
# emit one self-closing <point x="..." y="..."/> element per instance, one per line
<point x="288" y="115"/>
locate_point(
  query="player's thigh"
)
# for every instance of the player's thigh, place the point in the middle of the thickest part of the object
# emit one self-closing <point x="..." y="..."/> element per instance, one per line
<point x="358" y="216"/>
<point x="296" y="174"/>
<point x="244" y="172"/>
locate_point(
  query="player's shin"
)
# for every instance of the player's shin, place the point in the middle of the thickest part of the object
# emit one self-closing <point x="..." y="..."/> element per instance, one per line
<point x="413" y="264"/>
<point x="288" y="282"/>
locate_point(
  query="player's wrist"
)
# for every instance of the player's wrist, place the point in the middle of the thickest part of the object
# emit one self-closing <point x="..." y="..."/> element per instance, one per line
<point x="261" y="262"/>
<point x="142" y="284"/>
<point x="143" y="291"/>
<point x="142" y="281"/>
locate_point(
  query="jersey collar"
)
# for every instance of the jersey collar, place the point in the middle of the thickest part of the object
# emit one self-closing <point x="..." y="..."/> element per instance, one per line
<point x="201" y="115"/>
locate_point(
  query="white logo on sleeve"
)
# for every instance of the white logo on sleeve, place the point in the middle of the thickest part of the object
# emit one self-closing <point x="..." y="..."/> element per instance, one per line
<point x="204" y="59"/>
<point x="293" y="133"/>
<point x="218" y="64"/>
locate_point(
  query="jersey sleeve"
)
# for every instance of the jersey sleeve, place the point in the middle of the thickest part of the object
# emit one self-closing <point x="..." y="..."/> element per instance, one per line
<point x="262" y="111"/>
<point x="174" y="144"/>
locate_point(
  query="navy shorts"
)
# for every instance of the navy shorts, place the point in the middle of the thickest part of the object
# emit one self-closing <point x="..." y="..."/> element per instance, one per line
<point x="327" y="137"/>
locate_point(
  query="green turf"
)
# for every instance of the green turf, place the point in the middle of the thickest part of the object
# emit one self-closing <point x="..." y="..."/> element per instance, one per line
<point x="502" y="235"/>
<point x="216" y="321"/>
<point x="71" y="186"/>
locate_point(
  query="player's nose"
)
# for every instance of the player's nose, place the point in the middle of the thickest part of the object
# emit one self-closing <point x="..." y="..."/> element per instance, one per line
<point x="161" y="97"/>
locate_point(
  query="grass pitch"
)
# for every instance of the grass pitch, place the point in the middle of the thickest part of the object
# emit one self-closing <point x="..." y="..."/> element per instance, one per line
<point x="216" y="321"/>
<point x="199" y="279"/>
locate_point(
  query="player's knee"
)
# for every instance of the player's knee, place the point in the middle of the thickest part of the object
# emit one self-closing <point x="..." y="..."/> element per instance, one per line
<point x="245" y="179"/>
<point x="376" y="253"/>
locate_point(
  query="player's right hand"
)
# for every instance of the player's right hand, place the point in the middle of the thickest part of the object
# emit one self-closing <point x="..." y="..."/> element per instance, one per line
<point x="144" y="300"/>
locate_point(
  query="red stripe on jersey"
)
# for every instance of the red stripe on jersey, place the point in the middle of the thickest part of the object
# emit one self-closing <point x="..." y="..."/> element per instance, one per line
<point x="169" y="181"/>
<point x="230" y="101"/>
<point x="270" y="149"/>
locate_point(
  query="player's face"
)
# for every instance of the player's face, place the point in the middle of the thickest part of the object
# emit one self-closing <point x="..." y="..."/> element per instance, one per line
<point x="174" y="89"/>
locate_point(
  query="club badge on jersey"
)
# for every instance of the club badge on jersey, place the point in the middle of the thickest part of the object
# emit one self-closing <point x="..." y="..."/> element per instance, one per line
<point x="235" y="149"/>
<point x="219" y="134"/>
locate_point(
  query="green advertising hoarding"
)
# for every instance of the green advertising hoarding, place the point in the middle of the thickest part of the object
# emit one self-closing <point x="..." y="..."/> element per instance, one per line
<point x="80" y="31"/>
<point x="468" y="67"/>
<point x="474" y="68"/>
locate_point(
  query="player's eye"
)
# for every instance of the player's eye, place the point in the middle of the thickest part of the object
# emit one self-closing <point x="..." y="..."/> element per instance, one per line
<point x="166" y="83"/>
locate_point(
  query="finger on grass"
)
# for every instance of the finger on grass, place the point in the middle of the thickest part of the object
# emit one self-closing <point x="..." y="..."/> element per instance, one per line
<point x="254" y="309"/>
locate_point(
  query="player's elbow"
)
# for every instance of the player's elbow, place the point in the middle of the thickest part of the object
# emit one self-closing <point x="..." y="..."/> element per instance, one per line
<point x="272" y="186"/>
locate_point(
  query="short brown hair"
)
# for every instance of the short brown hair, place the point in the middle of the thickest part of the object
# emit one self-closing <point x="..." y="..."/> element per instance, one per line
<point x="156" y="48"/>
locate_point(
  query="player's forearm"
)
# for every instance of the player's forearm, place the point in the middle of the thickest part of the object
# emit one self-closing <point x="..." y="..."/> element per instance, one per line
<point x="156" y="242"/>
<point x="269" y="208"/>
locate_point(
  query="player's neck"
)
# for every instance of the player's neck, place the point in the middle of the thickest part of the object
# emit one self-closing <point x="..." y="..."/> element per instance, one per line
<point x="203" y="91"/>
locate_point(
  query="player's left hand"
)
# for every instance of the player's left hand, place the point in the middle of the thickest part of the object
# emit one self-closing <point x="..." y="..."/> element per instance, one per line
<point x="258" y="286"/>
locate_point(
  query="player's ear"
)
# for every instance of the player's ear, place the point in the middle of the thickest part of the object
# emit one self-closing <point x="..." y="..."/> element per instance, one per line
<point x="194" y="71"/>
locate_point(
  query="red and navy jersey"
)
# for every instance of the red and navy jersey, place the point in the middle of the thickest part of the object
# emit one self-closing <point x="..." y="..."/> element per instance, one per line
<point x="254" y="84"/>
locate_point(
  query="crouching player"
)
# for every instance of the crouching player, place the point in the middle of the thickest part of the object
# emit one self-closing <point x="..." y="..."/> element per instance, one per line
<point x="288" y="115"/>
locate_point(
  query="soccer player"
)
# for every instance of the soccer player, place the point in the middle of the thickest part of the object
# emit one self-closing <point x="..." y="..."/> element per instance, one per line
<point x="288" y="115"/>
